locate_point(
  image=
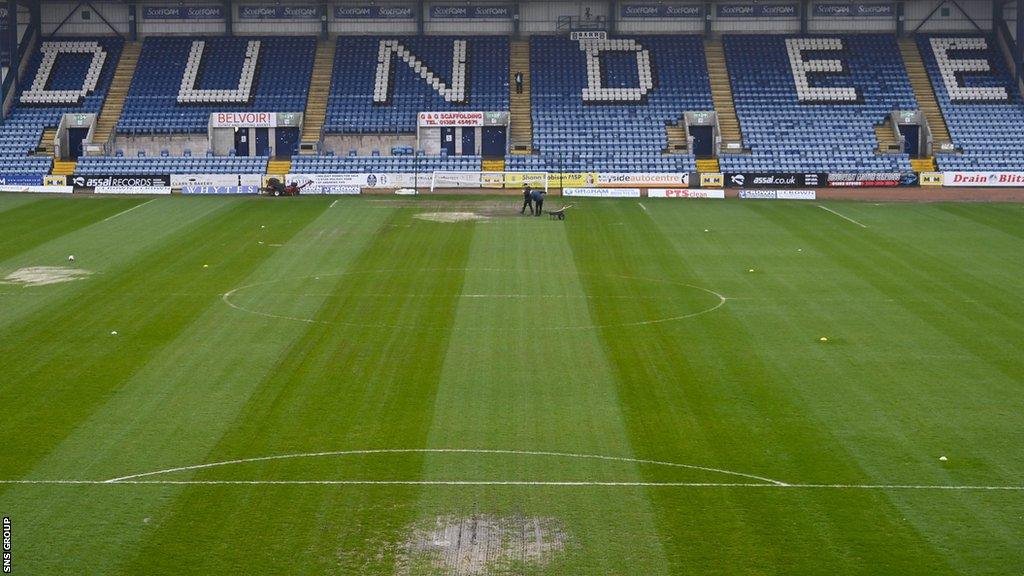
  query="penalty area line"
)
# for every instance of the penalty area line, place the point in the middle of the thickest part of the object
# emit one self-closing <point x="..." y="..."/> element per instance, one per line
<point x="526" y="483"/>
<point x="848" y="219"/>
<point x="123" y="212"/>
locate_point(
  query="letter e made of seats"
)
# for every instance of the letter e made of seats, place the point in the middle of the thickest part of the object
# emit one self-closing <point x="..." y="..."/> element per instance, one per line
<point x="804" y="69"/>
<point x="953" y="69"/>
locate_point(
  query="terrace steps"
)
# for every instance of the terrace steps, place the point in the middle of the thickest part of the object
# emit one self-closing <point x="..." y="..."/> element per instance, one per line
<point x="319" y="88"/>
<point x="520" y="105"/>
<point x="924" y="92"/>
<point x="721" y="95"/>
<point x="106" y="123"/>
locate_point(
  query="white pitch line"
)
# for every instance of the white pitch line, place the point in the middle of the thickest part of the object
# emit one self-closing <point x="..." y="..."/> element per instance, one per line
<point x="447" y="451"/>
<point x="642" y="206"/>
<point x="332" y="204"/>
<point x="827" y="209"/>
<point x="227" y="296"/>
<point x="128" y="210"/>
<point x="527" y="483"/>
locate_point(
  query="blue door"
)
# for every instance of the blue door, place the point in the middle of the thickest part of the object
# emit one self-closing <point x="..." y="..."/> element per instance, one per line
<point x="75" y="138"/>
<point x="287" y="141"/>
<point x="262" y="142"/>
<point x="469" y="141"/>
<point x="242" y="141"/>
<point x="911" y="139"/>
<point x="448" y="140"/>
<point x="494" y="142"/>
<point x="703" y="145"/>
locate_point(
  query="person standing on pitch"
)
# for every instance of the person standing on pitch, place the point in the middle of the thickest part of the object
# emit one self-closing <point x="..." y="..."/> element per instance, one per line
<point x="538" y="201"/>
<point x="527" y="200"/>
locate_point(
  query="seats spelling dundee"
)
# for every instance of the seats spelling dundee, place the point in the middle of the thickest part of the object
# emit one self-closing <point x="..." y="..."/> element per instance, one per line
<point x="604" y="104"/>
<point x="179" y="82"/>
<point x="381" y="84"/>
<point x="810" y="104"/>
<point x="980" y="101"/>
<point x="64" y="76"/>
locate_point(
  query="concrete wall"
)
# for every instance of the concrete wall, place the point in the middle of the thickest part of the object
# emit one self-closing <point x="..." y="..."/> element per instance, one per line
<point x="176" y="145"/>
<point x="535" y="17"/>
<point x="365" y="144"/>
<point x="948" y="17"/>
<point x="85" y="20"/>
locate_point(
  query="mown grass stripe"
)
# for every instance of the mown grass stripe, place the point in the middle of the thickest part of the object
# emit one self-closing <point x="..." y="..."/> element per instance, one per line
<point x="1008" y="219"/>
<point x="63" y="361"/>
<point x="175" y="408"/>
<point x="736" y="418"/>
<point x="101" y="249"/>
<point x="11" y="201"/>
<point x="511" y="382"/>
<point x="337" y="387"/>
<point x="883" y="375"/>
<point x="29" y="225"/>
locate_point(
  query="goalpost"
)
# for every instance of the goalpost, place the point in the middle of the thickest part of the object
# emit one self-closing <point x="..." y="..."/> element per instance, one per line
<point x="449" y="179"/>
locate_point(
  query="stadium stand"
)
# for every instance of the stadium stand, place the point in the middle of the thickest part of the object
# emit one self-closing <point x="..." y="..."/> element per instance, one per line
<point x="380" y="85"/>
<point x="75" y="81"/>
<point x="407" y="164"/>
<point x="823" y="124"/>
<point x="179" y="82"/>
<point x="612" y="117"/>
<point x="172" y="165"/>
<point x="980" y="101"/>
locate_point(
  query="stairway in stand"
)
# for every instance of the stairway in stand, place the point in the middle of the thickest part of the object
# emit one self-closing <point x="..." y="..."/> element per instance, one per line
<point x="493" y="165"/>
<point x="279" y="167"/>
<point x="319" y="88"/>
<point x="114" y="103"/>
<point x="676" y="139"/>
<point x="923" y="164"/>
<point x="64" y="167"/>
<point x="520" y="105"/>
<point x="45" y="147"/>
<point x="721" y="95"/>
<point x="707" y="165"/>
<point x="924" y="92"/>
<point x="888" y="143"/>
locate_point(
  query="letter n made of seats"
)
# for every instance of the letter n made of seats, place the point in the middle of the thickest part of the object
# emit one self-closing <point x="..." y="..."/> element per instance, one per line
<point x="455" y="92"/>
<point x="39" y="92"/>
<point x="188" y="93"/>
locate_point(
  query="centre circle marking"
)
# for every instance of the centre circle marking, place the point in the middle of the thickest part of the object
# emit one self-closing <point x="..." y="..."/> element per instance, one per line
<point x="228" y="296"/>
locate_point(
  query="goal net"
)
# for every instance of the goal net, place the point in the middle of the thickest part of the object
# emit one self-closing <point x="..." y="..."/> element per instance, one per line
<point x="442" y="179"/>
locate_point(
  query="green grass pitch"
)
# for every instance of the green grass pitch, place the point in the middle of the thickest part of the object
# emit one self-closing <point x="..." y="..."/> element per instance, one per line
<point x="639" y="390"/>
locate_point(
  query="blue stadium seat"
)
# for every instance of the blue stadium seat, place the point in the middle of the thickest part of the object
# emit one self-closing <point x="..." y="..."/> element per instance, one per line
<point x="172" y="165"/>
<point x="989" y="132"/>
<point x="284" y="67"/>
<point x="785" y="134"/>
<point x="572" y="135"/>
<point x="26" y="122"/>
<point x="351" y="107"/>
<point x="384" y="164"/>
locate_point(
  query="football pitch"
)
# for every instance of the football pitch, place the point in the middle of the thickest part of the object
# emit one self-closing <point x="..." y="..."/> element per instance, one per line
<point x="399" y="386"/>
